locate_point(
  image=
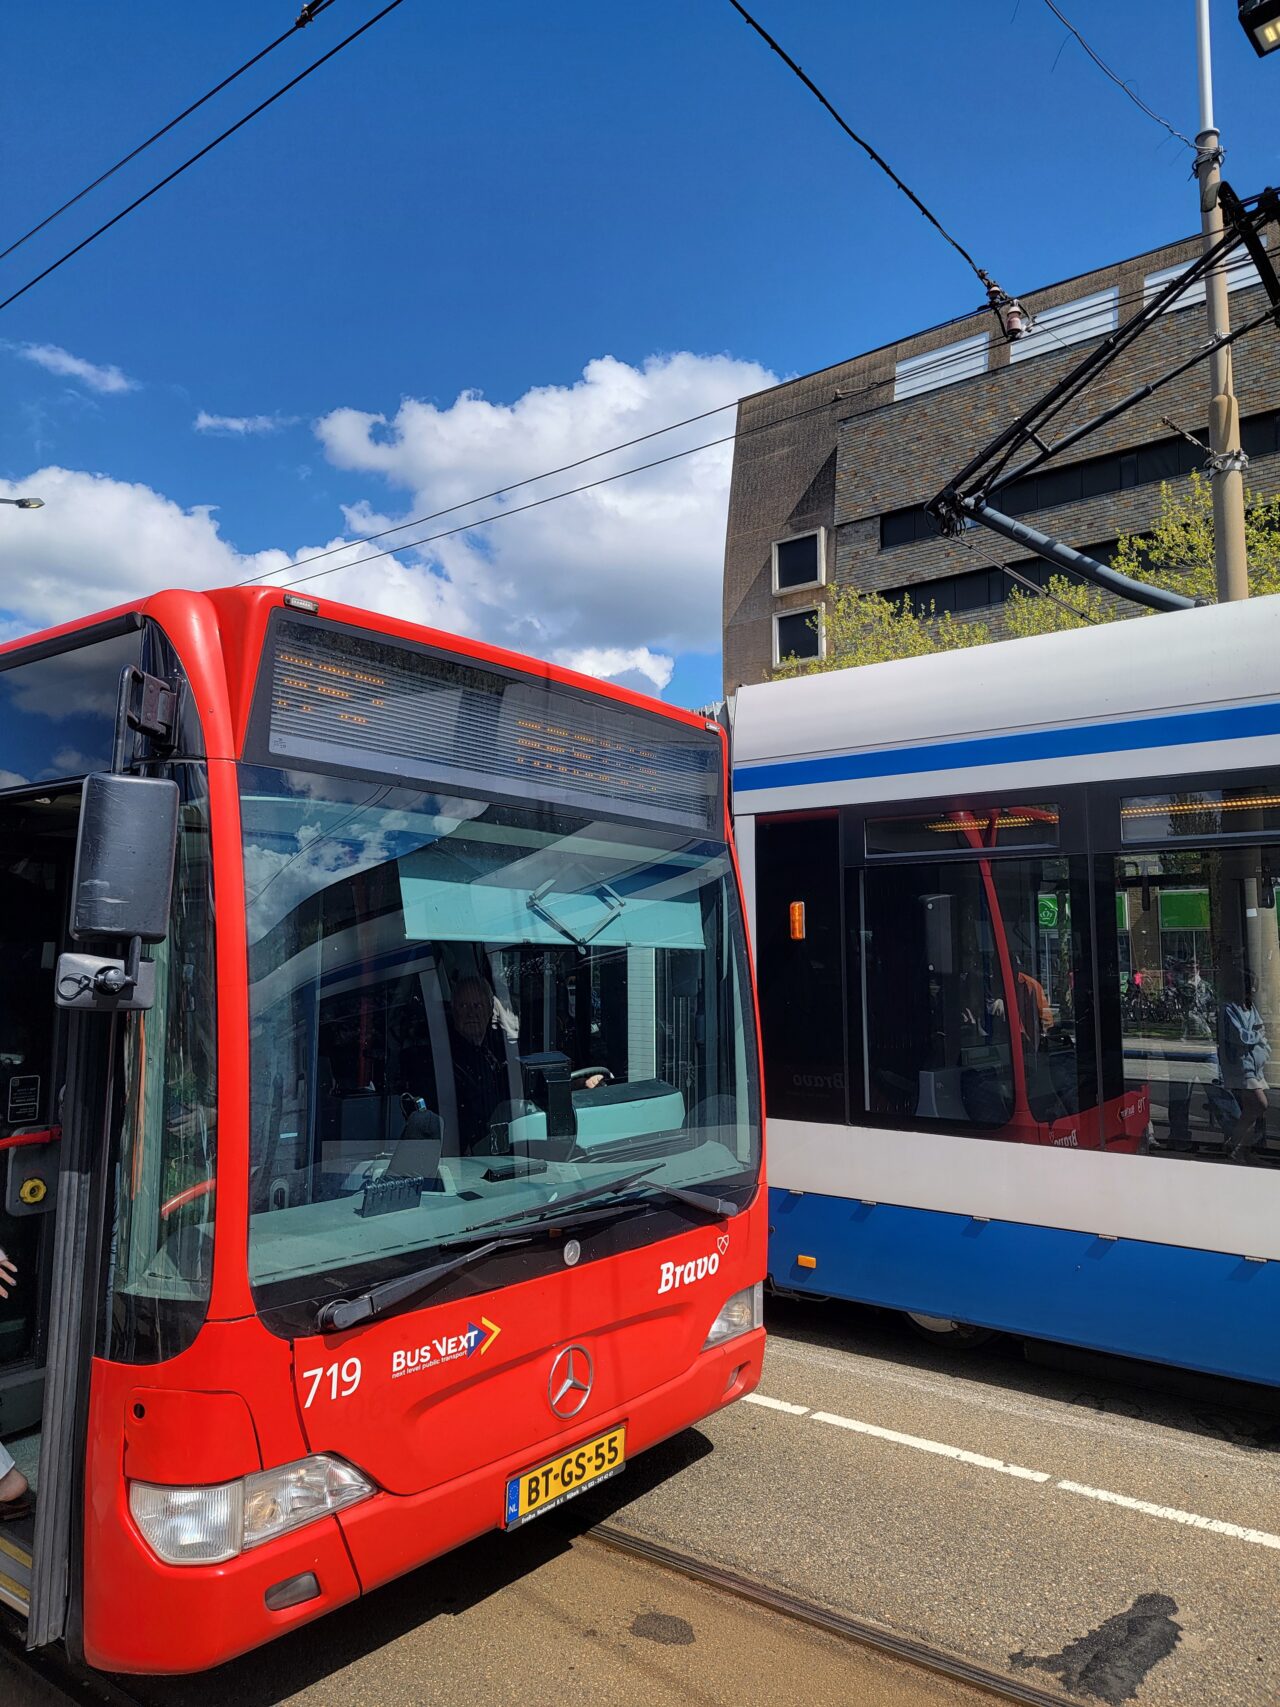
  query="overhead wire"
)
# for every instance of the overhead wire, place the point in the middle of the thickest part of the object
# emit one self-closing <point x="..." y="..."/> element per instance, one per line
<point x="943" y="361"/>
<point x="200" y="153"/>
<point x="1117" y="79"/>
<point x="871" y="153"/>
<point x="307" y="15"/>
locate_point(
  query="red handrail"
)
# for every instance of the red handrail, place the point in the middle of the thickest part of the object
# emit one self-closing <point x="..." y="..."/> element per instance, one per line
<point x="46" y="1135"/>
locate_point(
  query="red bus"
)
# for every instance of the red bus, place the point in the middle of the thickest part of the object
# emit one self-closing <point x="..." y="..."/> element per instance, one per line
<point x="380" y="1121"/>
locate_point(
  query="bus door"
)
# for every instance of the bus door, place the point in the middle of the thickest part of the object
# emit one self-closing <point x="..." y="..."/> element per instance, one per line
<point x="62" y="894"/>
<point x="37" y="845"/>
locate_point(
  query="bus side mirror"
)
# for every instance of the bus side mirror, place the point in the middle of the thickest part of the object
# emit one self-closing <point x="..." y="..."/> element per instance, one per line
<point x="121" y="889"/>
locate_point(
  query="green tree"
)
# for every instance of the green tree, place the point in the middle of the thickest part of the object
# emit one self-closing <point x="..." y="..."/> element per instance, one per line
<point x="1177" y="552"/>
<point x="865" y="628"/>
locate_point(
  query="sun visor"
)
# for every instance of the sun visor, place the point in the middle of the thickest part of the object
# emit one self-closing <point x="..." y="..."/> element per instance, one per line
<point x="440" y="909"/>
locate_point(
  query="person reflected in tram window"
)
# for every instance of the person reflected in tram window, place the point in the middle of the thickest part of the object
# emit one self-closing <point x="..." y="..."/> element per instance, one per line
<point x="1035" y="1012"/>
<point x="1244" y="1052"/>
<point x="15" y="1493"/>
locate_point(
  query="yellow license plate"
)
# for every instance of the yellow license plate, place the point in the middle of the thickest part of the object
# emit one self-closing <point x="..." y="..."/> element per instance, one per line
<point x="562" y="1477"/>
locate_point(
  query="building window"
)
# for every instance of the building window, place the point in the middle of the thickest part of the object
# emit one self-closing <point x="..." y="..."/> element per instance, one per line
<point x="800" y="561"/>
<point x="1070" y="323"/>
<point x="977" y="588"/>
<point x="937" y="368"/>
<point x="904" y="527"/>
<point x="1241" y="275"/>
<point x="798" y="634"/>
<point x="1118" y="471"/>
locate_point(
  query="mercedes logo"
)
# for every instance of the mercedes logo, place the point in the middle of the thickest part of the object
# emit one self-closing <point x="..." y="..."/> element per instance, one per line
<point x="569" y="1386"/>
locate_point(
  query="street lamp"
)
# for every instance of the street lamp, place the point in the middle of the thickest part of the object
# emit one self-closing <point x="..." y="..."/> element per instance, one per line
<point x="24" y="503"/>
<point x="1260" y="21"/>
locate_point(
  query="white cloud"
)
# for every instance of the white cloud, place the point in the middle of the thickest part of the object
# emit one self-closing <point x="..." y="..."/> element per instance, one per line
<point x="614" y="582"/>
<point x="615" y="662"/>
<point x="617" y="579"/>
<point x="107" y="379"/>
<point x="239" y="426"/>
<point x="99" y="542"/>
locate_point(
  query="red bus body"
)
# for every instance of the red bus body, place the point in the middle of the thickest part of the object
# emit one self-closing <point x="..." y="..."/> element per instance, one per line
<point x="439" y="1437"/>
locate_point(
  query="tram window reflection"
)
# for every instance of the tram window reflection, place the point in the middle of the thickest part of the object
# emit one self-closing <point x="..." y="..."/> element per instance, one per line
<point x="1199" y="970"/>
<point x="971" y="982"/>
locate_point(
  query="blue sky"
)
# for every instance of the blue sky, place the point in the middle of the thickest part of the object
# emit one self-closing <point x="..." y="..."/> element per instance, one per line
<point x="497" y="199"/>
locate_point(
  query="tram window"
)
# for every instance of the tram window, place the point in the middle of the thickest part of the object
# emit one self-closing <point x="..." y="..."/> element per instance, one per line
<point x="1198" y="1010"/>
<point x="1195" y="813"/>
<point x="973" y="992"/>
<point x="966" y="828"/>
<point x="800" y="975"/>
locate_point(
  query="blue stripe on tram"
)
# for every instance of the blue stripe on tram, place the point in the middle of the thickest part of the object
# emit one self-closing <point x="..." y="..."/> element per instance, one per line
<point x="1130" y="734"/>
<point x="1203" y="1310"/>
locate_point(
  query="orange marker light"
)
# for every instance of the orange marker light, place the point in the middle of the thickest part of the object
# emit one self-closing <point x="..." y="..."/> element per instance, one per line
<point x="797" y="921"/>
<point x="806" y="1262"/>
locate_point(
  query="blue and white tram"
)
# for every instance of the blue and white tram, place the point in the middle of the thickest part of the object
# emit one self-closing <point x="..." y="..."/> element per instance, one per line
<point x="1016" y="931"/>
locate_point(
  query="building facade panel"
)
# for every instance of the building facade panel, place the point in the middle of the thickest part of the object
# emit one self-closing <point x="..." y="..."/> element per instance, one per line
<point x="877" y="436"/>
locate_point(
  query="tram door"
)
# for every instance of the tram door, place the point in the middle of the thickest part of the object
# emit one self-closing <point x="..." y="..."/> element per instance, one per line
<point x="37" y="845"/>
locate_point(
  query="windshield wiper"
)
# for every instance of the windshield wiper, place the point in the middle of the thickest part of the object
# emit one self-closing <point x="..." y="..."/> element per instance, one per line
<point x="611" y="1196"/>
<point x="551" y="1210"/>
<point x="346" y="1312"/>
<point x="705" y="1200"/>
<point x="613" y="903"/>
<point x="341" y="1313"/>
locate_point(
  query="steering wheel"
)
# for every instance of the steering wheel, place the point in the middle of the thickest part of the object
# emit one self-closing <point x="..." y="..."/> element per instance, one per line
<point x="591" y="1073"/>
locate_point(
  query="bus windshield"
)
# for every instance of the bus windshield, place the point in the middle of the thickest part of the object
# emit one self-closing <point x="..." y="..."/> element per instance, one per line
<point x="463" y="1010"/>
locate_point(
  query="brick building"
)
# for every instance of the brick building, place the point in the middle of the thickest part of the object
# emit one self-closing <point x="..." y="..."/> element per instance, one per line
<point x="831" y="470"/>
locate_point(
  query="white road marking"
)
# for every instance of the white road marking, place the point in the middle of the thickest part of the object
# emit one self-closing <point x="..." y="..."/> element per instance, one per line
<point x="934" y="1446"/>
<point x="1215" y="1525"/>
<point x="775" y="1404"/>
<point x="1052" y="1411"/>
<point x="939" y="1449"/>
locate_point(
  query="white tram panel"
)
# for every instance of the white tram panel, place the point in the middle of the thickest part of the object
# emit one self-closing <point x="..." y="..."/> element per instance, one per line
<point x="1197" y="661"/>
<point x="1081" y="682"/>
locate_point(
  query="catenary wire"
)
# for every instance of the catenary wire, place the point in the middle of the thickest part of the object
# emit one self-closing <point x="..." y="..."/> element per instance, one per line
<point x="1118" y="80"/>
<point x="587" y="486"/>
<point x="200" y="154"/>
<point x="862" y="143"/>
<point x="1030" y="586"/>
<point x="310" y="11"/>
<point x="943" y="361"/>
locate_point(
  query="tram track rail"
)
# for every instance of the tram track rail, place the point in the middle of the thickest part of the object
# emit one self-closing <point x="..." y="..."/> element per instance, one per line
<point x="922" y="1655"/>
<point x="54" y="1679"/>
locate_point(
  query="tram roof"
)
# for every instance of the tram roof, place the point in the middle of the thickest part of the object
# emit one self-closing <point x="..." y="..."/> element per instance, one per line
<point x="1211" y="656"/>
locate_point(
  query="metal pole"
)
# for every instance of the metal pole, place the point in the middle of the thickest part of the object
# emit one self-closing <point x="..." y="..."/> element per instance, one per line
<point x="1228" y="461"/>
<point x="1067" y="557"/>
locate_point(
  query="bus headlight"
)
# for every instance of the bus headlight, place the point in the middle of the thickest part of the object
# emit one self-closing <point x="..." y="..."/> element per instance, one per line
<point x="207" y="1526"/>
<point x="744" y="1311"/>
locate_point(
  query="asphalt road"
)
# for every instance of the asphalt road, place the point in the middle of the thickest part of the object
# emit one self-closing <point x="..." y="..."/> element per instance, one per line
<point x="1096" y="1526"/>
<point x="540" y="1618"/>
<point x="1069" y="1521"/>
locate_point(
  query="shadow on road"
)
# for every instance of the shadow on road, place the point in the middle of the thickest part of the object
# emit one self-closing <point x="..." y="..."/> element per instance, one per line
<point x="1207" y="1405"/>
<point x="442" y="1589"/>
